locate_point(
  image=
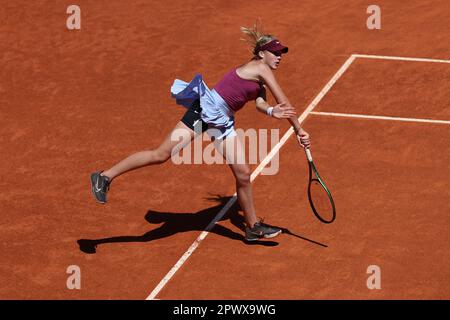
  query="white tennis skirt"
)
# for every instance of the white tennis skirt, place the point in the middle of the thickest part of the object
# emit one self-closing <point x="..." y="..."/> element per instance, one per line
<point x="215" y="111"/>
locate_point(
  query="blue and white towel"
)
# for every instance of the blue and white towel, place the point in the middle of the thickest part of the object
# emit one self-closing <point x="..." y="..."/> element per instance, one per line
<point x="215" y="111"/>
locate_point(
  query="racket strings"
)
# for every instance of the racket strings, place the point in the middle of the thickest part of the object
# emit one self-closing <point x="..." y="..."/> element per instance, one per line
<point x="320" y="198"/>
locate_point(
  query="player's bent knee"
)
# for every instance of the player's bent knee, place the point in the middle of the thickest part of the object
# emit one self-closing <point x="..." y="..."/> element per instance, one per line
<point x="243" y="177"/>
<point x="161" y="156"/>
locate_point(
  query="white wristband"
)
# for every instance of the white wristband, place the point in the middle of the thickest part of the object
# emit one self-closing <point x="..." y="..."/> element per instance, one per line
<point x="269" y="111"/>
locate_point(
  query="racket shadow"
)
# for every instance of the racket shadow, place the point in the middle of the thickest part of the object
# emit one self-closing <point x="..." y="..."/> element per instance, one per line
<point x="287" y="231"/>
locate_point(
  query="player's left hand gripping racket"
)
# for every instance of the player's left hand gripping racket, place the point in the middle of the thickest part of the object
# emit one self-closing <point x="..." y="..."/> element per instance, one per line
<point x="320" y="198"/>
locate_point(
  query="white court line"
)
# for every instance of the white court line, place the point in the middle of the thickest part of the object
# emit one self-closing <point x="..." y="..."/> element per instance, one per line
<point x="255" y="173"/>
<point x="191" y="249"/>
<point x="351" y="115"/>
<point x="369" y="56"/>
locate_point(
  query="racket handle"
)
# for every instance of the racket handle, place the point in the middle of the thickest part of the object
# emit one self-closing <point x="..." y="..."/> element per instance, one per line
<point x="308" y="154"/>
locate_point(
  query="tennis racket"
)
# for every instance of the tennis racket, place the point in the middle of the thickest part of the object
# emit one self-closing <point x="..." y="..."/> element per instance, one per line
<point x="319" y="196"/>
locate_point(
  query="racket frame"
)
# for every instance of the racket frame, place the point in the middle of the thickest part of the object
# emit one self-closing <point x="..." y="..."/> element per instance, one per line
<point x="312" y="168"/>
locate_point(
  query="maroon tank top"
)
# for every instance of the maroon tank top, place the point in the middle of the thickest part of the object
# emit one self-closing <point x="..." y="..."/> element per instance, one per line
<point x="237" y="91"/>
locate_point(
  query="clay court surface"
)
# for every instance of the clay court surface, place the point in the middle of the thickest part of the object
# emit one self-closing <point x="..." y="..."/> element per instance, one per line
<point x="73" y="102"/>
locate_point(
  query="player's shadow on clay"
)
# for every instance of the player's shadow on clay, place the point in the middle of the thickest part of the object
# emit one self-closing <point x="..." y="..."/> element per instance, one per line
<point x="173" y="223"/>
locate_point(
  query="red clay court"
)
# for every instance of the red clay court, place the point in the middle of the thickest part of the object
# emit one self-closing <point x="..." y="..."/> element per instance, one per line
<point x="376" y="103"/>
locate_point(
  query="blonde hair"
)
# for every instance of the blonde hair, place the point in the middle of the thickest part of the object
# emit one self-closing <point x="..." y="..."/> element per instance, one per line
<point x="255" y="36"/>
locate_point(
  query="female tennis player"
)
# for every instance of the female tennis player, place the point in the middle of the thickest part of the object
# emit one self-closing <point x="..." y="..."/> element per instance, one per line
<point x="213" y="111"/>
